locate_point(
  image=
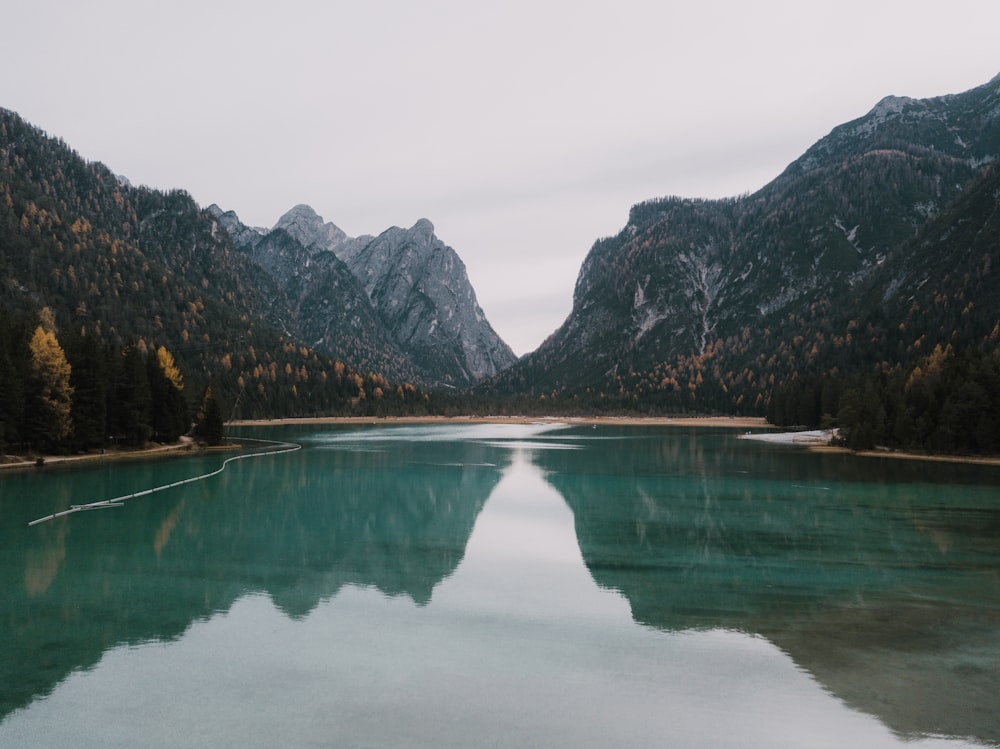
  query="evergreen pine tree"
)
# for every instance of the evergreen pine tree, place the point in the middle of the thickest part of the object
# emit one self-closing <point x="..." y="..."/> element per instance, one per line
<point x="130" y="406"/>
<point x="89" y="377"/>
<point x="14" y="359"/>
<point x="211" y="425"/>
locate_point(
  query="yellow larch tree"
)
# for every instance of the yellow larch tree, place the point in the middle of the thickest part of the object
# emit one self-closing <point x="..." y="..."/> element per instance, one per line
<point x="53" y="394"/>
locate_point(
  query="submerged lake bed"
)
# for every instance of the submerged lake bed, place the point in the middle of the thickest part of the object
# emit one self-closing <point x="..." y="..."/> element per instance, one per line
<point x="505" y="585"/>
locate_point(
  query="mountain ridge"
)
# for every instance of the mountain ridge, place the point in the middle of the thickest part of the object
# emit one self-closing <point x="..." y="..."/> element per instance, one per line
<point x="694" y="305"/>
<point x="693" y="301"/>
<point x="404" y="293"/>
<point x="134" y="269"/>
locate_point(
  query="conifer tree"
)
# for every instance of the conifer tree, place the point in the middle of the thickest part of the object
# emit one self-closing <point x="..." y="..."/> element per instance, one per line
<point x="88" y="359"/>
<point x="14" y="363"/>
<point x="131" y="402"/>
<point x="210" y="425"/>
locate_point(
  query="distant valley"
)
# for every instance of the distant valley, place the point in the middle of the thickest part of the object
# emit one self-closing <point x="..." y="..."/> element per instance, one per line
<point x="876" y="247"/>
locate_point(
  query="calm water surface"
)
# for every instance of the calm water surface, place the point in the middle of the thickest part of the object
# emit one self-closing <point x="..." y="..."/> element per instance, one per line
<point x="500" y="586"/>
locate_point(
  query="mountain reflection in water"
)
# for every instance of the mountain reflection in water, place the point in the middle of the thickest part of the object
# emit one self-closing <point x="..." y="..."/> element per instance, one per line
<point x="421" y="585"/>
<point x="880" y="579"/>
<point x="296" y="530"/>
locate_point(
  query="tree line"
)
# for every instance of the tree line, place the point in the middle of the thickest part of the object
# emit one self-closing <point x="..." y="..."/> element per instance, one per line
<point x="946" y="402"/>
<point x="78" y="392"/>
<point x="78" y="389"/>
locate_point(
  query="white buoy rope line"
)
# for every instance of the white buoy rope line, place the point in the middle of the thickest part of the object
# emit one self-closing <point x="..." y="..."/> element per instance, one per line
<point x="282" y="447"/>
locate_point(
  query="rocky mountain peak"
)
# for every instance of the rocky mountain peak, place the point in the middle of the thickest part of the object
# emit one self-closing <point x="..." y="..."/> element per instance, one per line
<point x="228" y="220"/>
<point x="404" y="293"/>
<point x="423" y="229"/>
<point x="419" y="287"/>
<point x="307" y="227"/>
<point x="889" y="106"/>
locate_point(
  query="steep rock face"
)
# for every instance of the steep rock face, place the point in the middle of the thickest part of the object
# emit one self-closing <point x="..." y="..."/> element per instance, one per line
<point x="399" y="304"/>
<point x="329" y="308"/>
<point x="737" y="280"/>
<point x="304" y="225"/>
<point x="420" y="289"/>
<point x="242" y="235"/>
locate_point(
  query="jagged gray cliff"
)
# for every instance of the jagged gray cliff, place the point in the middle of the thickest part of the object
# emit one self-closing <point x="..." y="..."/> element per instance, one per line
<point x="420" y="289"/>
<point x="400" y="303"/>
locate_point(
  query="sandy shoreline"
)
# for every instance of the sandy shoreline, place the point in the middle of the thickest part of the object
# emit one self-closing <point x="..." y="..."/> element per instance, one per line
<point x="683" y="421"/>
<point x="900" y="455"/>
<point x="185" y="446"/>
<point x="809" y="440"/>
<point x="813" y="440"/>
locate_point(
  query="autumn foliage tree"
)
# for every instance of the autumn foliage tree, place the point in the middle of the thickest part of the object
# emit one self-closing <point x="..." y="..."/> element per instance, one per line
<point x="166" y="384"/>
<point x="50" y="391"/>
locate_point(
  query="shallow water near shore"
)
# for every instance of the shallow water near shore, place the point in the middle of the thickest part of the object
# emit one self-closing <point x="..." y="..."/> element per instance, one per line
<point x="505" y="585"/>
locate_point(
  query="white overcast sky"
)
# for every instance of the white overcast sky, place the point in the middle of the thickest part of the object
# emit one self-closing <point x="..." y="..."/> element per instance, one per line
<point x="524" y="130"/>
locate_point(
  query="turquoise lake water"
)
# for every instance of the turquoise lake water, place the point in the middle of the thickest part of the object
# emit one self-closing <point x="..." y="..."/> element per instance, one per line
<point x="504" y="586"/>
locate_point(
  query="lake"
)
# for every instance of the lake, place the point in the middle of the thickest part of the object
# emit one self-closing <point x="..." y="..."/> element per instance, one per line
<point x="502" y="585"/>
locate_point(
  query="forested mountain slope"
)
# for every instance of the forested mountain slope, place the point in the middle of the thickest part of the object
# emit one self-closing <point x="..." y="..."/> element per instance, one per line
<point x="704" y="304"/>
<point x="142" y="269"/>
